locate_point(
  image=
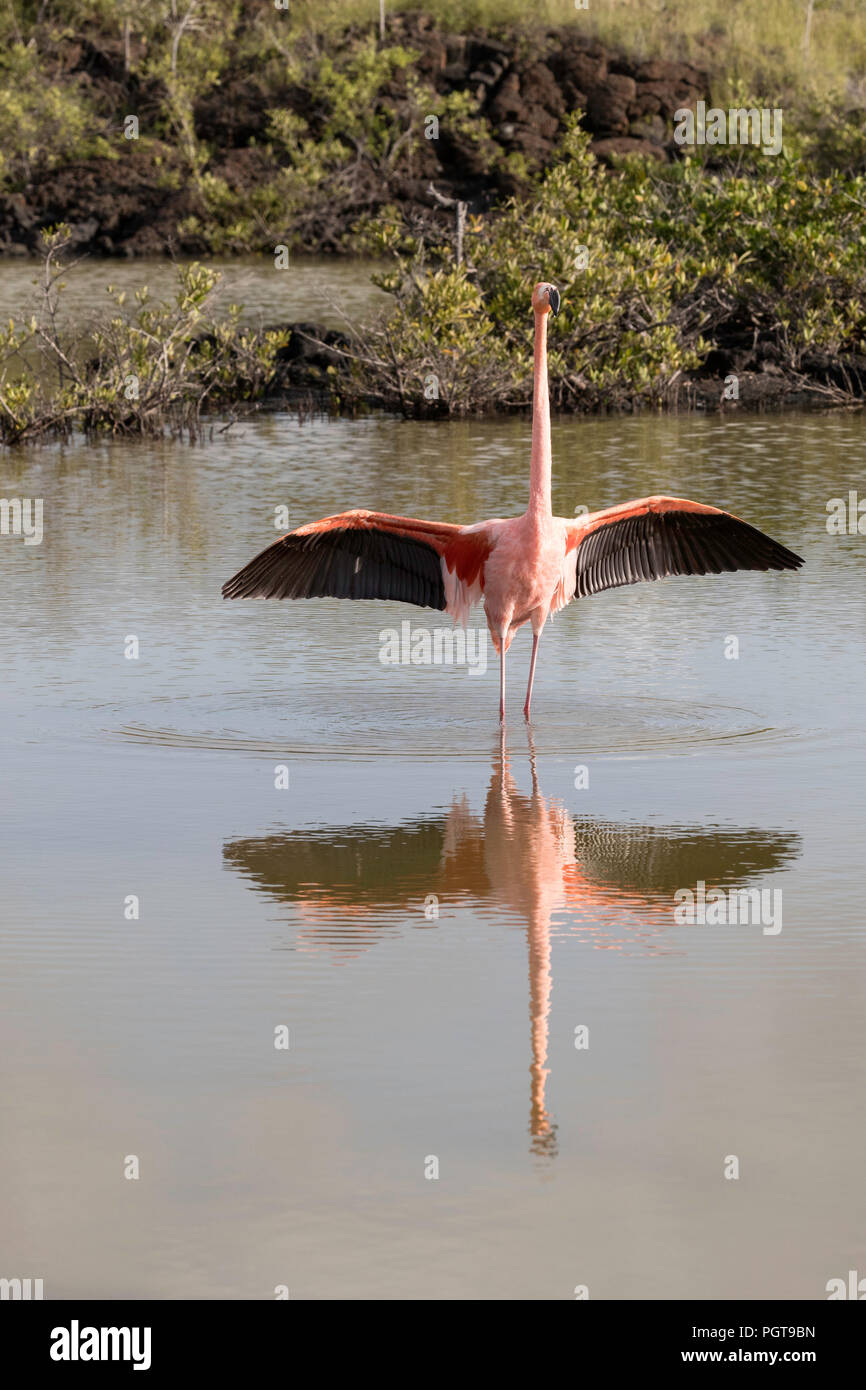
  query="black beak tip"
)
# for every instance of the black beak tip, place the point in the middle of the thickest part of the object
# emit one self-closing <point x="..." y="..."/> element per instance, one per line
<point x="553" y="297"/>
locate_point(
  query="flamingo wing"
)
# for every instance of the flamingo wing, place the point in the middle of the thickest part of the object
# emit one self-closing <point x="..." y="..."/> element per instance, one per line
<point x="657" y="536"/>
<point x="362" y="555"/>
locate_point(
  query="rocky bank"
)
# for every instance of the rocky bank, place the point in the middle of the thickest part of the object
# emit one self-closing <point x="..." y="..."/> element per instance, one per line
<point x="523" y="83"/>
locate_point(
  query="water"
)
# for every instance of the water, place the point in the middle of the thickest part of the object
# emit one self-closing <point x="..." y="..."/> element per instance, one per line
<point x="413" y="1035"/>
<point x="311" y="289"/>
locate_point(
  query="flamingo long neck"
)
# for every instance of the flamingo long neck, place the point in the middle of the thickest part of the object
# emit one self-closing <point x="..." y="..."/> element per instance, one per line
<point x="539" y="467"/>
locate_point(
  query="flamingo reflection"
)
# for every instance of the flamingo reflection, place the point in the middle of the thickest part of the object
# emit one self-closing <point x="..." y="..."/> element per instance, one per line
<point x="526" y="857"/>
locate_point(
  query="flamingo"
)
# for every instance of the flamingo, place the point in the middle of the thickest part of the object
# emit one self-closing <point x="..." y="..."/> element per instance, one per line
<point x="524" y="568"/>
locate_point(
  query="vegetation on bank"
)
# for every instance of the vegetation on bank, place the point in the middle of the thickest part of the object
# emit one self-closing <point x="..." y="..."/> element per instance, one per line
<point x="666" y="273"/>
<point x="138" y="371"/>
<point x="208" y="127"/>
<point x="258" y="126"/>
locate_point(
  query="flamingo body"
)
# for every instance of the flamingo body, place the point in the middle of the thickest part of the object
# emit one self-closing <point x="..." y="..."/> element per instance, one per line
<point x="522" y="568"/>
<point x="528" y="575"/>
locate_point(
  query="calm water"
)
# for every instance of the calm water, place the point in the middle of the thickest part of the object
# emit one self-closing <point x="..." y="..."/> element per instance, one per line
<point x="414" y="1036"/>
<point x="324" y="291"/>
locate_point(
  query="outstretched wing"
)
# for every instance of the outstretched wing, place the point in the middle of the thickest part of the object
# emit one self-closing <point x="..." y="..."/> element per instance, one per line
<point x="362" y="555"/>
<point x="658" y="536"/>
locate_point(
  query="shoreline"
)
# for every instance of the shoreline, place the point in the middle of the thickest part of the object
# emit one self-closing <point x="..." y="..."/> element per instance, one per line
<point x="721" y="279"/>
<point x="302" y="376"/>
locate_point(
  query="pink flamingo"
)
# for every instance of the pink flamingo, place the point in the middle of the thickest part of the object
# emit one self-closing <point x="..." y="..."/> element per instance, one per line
<point x="524" y="568"/>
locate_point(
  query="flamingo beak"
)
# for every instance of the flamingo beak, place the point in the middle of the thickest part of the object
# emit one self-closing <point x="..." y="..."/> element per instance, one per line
<point x="553" y="300"/>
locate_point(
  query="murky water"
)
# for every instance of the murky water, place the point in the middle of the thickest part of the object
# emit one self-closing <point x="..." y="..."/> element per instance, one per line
<point x="454" y="1031"/>
<point x="321" y="290"/>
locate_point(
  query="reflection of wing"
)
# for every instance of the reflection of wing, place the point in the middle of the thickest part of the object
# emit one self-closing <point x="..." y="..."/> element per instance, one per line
<point x="620" y="889"/>
<point x="369" y="877"/>
<point x="353" y="884"/>
<point x="372" y="865"/>
<point x="654" y="861"/>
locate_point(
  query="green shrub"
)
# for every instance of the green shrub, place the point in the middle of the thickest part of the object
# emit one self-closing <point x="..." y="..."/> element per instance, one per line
<point x="42" y="124"/>
<point x="656" y="267"/>
<point x="160" y="365"/>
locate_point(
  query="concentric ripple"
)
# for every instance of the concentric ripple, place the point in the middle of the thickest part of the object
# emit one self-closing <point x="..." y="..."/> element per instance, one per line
<point x="327" y="725"/>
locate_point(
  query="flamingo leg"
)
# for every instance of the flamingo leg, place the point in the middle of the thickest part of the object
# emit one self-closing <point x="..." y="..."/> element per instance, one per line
<point x="502" y="678"/>
<point x="535" y="637"/>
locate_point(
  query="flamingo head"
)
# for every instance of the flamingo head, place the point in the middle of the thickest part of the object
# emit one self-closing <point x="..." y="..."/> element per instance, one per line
<point x="545" y="299"/>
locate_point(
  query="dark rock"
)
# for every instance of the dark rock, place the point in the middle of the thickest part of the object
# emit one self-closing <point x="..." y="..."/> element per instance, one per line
<point x="301" y="345"/>
<point x="538" y="88"/>
<point x="507" y="104"/>
<point x="20" y="210"/>
<point x="457" y="150"/>
<point x="606" y="113"/>
<point x="583" y="67"/>
<point x="126" y="200"/>
<point x="83" y="232"/>
<point x="489" y="74"/>
<point x="527" y="140"/>
<point x="244" y="168"/>
<point x="657" y="71"/>
<point x="577" y="100"/>
<point x="622" y="87"/>
<point x="304" y="361"/>
<point x="546" y="124"/>
<point x="525" y="81"/>
<point x="432" y="58"/>
<point x="645" y="104"/>
<point x="846" y="373"/>
<point x="650" y="128"/>
<point x="486" y="50"/>
<point x="669" y="98"/>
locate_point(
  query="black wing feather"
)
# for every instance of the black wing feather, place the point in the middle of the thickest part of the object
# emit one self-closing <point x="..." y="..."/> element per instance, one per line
<point x="655" y="544"/>
<point x="350" y="562"/>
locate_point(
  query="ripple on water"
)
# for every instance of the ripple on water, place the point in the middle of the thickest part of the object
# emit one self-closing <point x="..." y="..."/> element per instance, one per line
<point x="320" y="727"/>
